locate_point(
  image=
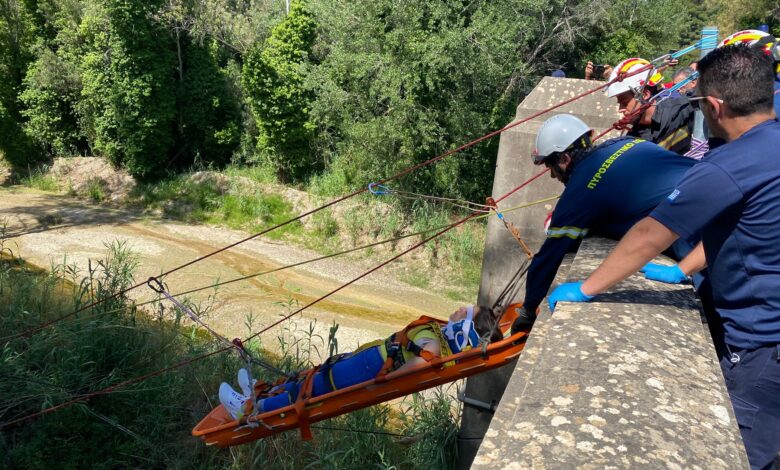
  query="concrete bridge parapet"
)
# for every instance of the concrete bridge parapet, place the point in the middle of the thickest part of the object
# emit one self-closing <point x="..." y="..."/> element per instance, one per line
<point x="502" y="252"/>
<point x="630" y="380"/>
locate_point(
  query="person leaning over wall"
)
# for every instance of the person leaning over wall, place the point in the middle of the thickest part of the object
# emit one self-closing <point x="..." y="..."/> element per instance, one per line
<point x="731" y="198"/>
<point x="609" y="187"/>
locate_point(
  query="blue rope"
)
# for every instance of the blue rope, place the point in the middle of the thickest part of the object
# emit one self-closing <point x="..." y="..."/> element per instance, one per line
<point x="372" y="188"/>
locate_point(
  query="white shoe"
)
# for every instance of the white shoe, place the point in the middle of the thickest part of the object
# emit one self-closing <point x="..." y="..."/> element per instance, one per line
<point x="244" y="382"/>
<point x="232" y="400"/>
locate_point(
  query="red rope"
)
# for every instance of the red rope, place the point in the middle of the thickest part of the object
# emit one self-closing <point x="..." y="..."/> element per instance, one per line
<point x="125" y="383"/>
<point x="317" y="209"/>
<point x="398" y="175"/>
<point x="625" y="121"/>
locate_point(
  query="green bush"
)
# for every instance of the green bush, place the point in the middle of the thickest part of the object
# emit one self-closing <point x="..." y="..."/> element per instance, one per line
<point x="15" y="146"/>
<point x="128" y="96"/>
<point x="39" y="178"/>
<point x="17" y="41"/>
<point x="52" y="89"/>
<point x="141" y="426"/>
<point x="273" y="78"/>
<point x="210" y="116"/>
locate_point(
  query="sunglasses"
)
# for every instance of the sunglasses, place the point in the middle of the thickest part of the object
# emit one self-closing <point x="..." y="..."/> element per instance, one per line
<point x="694" y="100"/>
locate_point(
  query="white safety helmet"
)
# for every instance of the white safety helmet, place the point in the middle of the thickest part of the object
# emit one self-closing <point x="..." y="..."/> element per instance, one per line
<point x="557" y="134"/>
<point x="632" y="82"/>
<point x="757" y="38"/>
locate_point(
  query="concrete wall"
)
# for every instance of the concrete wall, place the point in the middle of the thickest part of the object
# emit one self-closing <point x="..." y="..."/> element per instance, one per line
<point x="628" y="381"/>
<point x="502" y="253"/>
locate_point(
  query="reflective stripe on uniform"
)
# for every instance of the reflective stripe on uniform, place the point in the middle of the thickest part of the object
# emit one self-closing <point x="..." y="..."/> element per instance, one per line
<point x="571" y="232"/>
<point x="674" y="138"/>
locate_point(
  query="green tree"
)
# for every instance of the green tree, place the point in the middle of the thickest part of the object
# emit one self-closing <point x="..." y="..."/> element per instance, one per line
<point x="17" y="39"/>
<point x="51" y="93"/>
<point x="210" y="115"/>
<point x="273" y="79"/>
<point x="402" y="82"/>
<point x="128" y="95"/>
<point x="736" y="15"/>
<point x="631" y="28"/>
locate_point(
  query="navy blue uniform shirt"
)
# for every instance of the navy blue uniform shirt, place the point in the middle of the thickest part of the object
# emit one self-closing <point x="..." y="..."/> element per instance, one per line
<point x="611" y="188"/>
<point x="733" y="198"/>
<point x="777" y="97"/>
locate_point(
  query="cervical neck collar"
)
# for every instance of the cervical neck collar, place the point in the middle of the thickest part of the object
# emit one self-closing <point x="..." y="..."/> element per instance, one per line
<point x="461" y="335"/>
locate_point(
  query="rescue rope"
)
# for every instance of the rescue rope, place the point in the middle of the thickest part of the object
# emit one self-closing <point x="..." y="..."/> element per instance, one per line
<point x="107" y="390"/>
<point x="361" y="431"/>
<point x="321" y="258"/>
<point x="379" y="190"/>
<point x="187" y="362"/>
<point x="158" y="286"/>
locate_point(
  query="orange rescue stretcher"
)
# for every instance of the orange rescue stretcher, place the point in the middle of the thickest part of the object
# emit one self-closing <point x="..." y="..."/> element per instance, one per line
<point x="220" y="429"/>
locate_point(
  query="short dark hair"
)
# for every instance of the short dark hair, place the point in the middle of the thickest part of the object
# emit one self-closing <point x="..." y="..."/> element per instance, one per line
<point x="742" y="76"/>
<point x="684" y="73"/>
<point x="485" y="323"/>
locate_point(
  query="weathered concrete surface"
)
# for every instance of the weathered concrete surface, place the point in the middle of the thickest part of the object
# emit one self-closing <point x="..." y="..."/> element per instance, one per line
<point x="628" y="381"/>
<point x="502" y="252"/>
<point x="490" y="388"/>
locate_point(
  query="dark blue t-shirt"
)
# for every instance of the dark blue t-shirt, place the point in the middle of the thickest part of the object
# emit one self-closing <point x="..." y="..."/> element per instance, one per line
<point x="777" y="97"/>
<point x="733" y="198"/>
<point x="614" y="186"/>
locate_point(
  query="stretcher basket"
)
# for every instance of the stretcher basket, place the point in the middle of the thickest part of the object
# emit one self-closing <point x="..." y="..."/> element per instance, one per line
<point x="220" y="429"/>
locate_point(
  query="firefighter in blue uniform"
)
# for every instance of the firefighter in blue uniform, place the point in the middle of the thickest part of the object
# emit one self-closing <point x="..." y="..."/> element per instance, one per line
<point x="740" y="237"/>
<point x="609" y="187"/>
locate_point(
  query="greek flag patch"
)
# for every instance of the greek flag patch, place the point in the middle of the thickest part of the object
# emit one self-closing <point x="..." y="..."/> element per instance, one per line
<point x="674" y="195"/>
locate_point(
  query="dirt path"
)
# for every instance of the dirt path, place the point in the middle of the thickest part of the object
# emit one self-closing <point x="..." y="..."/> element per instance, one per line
<point x="46" y="228"/>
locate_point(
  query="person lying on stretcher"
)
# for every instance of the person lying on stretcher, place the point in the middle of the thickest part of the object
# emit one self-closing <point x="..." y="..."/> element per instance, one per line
<point x="465" y="328"/>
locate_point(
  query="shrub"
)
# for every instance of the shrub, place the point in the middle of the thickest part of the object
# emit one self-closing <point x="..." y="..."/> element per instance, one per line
<point x="51" y="90"/>
<point x="273" y="78"/>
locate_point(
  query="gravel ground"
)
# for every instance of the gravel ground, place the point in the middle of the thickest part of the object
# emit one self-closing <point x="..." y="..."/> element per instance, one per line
<point x="45" y="228"/>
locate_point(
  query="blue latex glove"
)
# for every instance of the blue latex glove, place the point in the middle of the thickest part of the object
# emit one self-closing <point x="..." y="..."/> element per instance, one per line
<point x="569" y="292"/>
<point x="668" y="274"/>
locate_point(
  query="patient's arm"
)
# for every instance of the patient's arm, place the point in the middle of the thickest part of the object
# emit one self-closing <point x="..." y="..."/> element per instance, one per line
<point x="415" y="362"/>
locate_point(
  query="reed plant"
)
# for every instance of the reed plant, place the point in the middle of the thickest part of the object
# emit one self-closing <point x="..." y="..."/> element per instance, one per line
<point x="147" y="425"/>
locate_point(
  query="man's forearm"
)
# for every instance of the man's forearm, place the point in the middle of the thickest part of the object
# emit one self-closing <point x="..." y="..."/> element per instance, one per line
<point x="646" y="240"/>
<point x="694" y="262"/>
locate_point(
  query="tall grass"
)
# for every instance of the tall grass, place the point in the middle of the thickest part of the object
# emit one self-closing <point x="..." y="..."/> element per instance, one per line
<point x="147" y="425"/>
<point x="209" y="202"/>
<point x="39" y="178"/>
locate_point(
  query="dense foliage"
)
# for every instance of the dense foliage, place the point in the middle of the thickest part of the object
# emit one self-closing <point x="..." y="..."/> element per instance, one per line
<point x="333" y="92"/>
<point x="340" y="91"/>
<point x="273" y="79"/>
